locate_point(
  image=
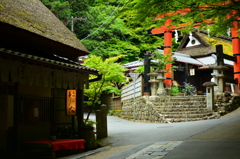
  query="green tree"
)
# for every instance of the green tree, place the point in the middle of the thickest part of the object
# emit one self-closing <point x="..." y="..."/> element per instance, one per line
<point x="146" y="11"/>
<point x="106" y="29"/>
<point x="112" y="78"/>
<point x="60" y="8"/>
<point x="160" y="61"/>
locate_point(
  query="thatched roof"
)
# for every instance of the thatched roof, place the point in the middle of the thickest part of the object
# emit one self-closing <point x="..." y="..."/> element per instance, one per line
<point x="33" y="16"/>
<point x="225" y="41"/>
<point x="207" y="44"/>
<point x="202" y="49"/>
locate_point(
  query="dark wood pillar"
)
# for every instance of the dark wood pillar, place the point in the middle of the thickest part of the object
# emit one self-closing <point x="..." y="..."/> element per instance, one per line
<point x="147" y="85"/>
<point x="16" y="112"/>
<point x="219" y="51"/>
<point x="80" y="104"/>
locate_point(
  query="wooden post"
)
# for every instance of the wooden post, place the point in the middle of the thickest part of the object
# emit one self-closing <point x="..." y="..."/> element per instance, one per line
<point x="236" y="53"/>
<point x="168" y="51"/>
<point x="219" y="51"/>
<point x="80" y="100"/>
<point x="101" y="119"/>
<point x="147" y="85"/>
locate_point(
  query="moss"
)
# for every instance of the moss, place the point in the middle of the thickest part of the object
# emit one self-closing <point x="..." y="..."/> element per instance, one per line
<point x="227" y="47"/>
<point x="1" y="6"/>
<point x="19" y="12"/>
<point x="33" y="16"/>
<point x="3" y="19"/>
<point x="14" y="19"/>
<point x="39" y="27"/>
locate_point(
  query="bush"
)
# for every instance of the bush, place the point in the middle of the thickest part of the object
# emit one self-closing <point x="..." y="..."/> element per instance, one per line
<point x="111" y="112"/>
<point x="114" y="112"/>
<point x="175" y="91"/>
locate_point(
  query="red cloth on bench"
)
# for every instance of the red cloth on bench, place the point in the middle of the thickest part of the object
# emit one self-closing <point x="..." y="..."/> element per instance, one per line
<point x="63" y="144"/>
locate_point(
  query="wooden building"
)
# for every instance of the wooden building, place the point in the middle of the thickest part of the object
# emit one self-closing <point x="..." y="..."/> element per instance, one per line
<point x="195" y="58"/>
<point x="200" y="46"/>
<point x="38" y="63"/>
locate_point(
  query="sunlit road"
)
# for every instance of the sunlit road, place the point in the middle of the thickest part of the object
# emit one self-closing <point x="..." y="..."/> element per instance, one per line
<point x="123" y="132"/>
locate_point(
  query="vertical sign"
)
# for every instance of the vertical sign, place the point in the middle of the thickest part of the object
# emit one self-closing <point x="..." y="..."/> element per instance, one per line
<point x="71" y="102"/>
<point x="192" y="72"/>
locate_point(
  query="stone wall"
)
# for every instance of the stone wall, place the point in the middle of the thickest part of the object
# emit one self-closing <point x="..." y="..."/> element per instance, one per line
<point x="227" y="103"/>
<point x="144" y="110"/>
<point x="147" y="108"/>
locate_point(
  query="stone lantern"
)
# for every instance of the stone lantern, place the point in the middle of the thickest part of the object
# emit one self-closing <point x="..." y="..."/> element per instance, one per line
<point x="161" y="78"/>
<point x="210" y="94"/>
<point x="153" y="80"/>
<point x="220" y="76"/>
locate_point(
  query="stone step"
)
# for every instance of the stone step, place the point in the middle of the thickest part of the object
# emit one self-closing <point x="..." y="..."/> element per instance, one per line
<point x="187" y="115"/>
<point x="182" y="112"/>
<point x="190" y="119"/>
<point x="181" y="98"/>
<point x="179" y="109"/>
<point x="180" y="103"/>
<point x="180" y="106"/>
<point x="183" y="120"/>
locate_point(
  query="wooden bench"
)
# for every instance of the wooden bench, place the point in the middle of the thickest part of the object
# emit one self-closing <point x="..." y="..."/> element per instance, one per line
<point x="47" y="148"/>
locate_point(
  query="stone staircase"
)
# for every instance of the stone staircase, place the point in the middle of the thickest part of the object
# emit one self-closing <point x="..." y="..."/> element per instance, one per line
<point x="183" y="108"/>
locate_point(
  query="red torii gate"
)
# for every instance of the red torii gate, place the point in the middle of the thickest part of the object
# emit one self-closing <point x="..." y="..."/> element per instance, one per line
<point x="167" y="29"/>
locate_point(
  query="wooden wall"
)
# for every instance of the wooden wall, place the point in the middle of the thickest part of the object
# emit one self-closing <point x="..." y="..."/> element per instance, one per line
<point x="128" y="90"/>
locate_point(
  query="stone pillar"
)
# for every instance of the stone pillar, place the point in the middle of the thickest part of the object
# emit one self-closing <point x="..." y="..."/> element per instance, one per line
<point x="153" y="82"/>
<point x="215" y="79"/>
<point x="101" y="119"/>
<point x="221" y="79"/>
<point x="161" y="78"/>
<point x="210" y="94"/>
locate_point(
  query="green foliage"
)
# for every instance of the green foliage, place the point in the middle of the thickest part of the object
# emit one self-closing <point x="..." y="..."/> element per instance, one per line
<point x="161" y="60"/>
<point x="90" y="123"/>
<point x="140" y="70"/>
<point x="174" y="91"/>
<point x="60" y="8"/>
<point x="146" y="11"/>
<point x="114" y="112"/>
<point x="116" y="27"/>
<point x="112" y="78"/>
<point x="104" y="29"/>
<point x="111" y="112"/>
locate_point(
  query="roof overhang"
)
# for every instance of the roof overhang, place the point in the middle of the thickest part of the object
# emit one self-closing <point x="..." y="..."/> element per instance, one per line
<point x="49" y="63"/>
<point x="31" y="43"/>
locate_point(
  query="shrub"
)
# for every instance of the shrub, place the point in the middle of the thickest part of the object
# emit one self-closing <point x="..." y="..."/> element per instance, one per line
<point x="175" y="91"/>
<point x="111" y="112"/>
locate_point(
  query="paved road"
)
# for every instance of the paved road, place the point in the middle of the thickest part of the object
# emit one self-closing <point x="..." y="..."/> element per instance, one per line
<point x="122" y="132"/>
<point x="216" y="138"/>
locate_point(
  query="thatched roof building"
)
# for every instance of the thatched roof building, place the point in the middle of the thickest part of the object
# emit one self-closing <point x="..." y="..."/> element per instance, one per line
<point x="33" y="38"/>
<point x="201" y="44"/>
<point x="38" y="66"/>
<point x="39" y="27"/>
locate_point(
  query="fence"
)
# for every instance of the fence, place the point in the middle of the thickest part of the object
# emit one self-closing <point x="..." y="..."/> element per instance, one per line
<point x="128" y="90"/>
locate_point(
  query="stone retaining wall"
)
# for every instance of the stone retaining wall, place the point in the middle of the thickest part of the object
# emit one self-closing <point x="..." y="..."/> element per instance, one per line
<point x="145" y="109"/>
<point x="226" y="104"/>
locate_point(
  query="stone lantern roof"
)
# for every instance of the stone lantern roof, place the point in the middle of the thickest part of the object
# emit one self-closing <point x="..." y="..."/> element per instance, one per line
<point x="220" y="67"/>
<point x="209" y="84"/>
<point x="152" y="74"/>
